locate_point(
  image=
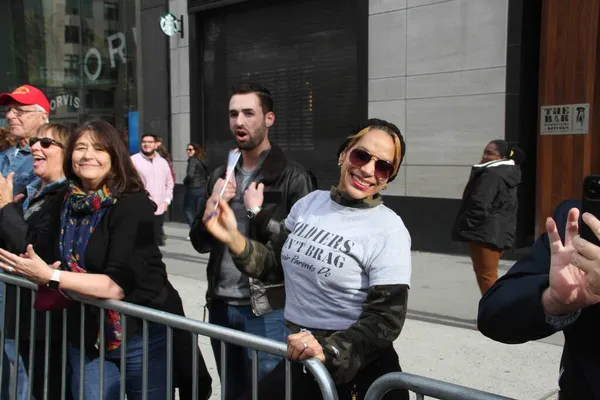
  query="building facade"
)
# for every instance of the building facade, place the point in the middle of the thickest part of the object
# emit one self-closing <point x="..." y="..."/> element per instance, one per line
<point x="81" y="53"/>
<point x="452" y="74"/>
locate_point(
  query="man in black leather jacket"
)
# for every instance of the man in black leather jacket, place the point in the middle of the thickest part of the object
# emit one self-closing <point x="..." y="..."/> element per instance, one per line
<point x="265" y="188"/>
<point x="553" y="289"/>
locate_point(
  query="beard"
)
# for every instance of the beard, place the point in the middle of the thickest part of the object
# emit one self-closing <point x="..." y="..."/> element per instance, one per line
<point x="253" y="139"/>
<point x="147" y="153"/>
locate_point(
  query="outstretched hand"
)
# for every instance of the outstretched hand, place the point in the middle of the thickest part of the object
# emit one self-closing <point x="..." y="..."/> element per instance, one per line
<point x="29" y="265"/>
<point x="574" y="278"/>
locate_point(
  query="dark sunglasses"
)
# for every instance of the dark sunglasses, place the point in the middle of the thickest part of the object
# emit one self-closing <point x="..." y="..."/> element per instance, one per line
<point x="189" y="149"/>
<point x="360" y="157"/>
<point x="45" y="142"/>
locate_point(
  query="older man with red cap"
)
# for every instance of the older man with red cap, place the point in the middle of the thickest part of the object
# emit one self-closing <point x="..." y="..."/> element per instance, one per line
<point x="28" y="109"/>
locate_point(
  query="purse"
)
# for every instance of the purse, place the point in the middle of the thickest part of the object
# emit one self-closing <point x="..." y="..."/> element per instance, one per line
<point x="50" y="300"/>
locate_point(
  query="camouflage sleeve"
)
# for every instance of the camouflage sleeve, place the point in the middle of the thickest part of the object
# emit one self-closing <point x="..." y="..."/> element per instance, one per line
<point x="379" y="324"/>
<point x="263" y="262"/>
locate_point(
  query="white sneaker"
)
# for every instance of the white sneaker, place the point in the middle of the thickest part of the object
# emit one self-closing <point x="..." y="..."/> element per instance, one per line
<point x="187" y="238"/>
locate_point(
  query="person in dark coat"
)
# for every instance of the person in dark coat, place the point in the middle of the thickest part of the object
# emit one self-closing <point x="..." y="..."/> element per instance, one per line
<point x="487" y="218"/>
<point x="554" y="288"/>
<point x="194" y="181"/>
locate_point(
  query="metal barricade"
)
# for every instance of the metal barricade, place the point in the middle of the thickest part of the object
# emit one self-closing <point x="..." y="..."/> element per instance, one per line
<point x="147" y="315"/>
<point x="423" y="386"/>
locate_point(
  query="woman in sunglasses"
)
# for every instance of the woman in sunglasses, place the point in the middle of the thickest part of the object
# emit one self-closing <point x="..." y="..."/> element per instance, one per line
<point x="347" y="264"/>
<point x="32" y="217"/>
<point x="194" y="181"/>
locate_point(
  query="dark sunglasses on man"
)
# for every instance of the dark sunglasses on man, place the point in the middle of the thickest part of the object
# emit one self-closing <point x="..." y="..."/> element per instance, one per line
<point x="360" y="157"/>
<point x="45" y="142"/>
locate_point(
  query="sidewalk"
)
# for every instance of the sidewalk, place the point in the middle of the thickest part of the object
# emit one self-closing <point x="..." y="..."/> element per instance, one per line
<point x="439" y="339"/>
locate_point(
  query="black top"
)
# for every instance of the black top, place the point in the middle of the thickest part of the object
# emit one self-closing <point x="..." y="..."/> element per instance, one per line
<point x="39" y="228"/>
<point x="195" y="176"/>
<point x="511" y="311"/>
<point x="488" y="212"/>
<point x="123" y="248"/>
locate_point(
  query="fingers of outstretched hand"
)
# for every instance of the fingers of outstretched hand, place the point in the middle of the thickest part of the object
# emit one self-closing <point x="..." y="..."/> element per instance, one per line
<point x="553" y="236"/>
<point x="572" y="227"/>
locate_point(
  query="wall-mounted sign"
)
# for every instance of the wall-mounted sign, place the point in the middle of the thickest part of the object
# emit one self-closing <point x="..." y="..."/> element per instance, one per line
<point x="170" y="25"/>
<point x="565" y="119"/>
<point x="64" y="100"/>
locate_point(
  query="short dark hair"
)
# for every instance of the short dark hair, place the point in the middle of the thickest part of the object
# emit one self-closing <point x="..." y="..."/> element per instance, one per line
<point x="264" y="94"/>
<point x="149" y="135"/>
<point x="123" y="177"/>
<point x="509" y="151"/>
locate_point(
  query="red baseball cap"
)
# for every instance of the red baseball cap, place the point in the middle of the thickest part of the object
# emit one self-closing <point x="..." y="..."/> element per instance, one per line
<point x="26" y="95"/>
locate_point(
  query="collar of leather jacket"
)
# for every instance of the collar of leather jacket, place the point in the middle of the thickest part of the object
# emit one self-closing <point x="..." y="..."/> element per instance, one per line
<point x="344" y="199"/>
<point x="274" y="163"/>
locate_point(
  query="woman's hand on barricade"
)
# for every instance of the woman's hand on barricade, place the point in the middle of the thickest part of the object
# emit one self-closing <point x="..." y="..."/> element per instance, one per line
<point x="303" y="345"/>
<point x="574" y="267"/>
<point x="29" y="265"/>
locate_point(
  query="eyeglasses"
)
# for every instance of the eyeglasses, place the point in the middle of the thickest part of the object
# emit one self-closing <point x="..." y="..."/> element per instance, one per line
<point x="361" y="157"/>
<point x="19" y="113"/>
<point x="45" y="142"/>
<point x="189" y="149"/>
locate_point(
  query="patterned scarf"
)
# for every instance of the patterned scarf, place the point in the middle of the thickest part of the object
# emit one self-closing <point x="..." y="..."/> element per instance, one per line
<point x="80" y="216"/>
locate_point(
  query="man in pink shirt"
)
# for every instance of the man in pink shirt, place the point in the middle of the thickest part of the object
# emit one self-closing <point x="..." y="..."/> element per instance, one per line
<point x="156" y="173"/>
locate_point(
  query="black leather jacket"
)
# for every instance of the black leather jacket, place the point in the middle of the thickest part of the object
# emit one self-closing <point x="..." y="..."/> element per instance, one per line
<point x="285" y="182"/>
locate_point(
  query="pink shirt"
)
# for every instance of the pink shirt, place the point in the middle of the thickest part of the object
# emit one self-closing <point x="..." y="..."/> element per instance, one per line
<point x="157" y="177"/>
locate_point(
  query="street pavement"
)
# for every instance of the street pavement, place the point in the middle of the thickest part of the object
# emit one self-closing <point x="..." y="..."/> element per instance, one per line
<point x="439" y="339"/>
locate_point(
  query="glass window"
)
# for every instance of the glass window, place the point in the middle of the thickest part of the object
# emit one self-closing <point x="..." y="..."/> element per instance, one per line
<point x="71" y="34"/>
<point x="111" y="12"/>
<point x="62" y="47"/>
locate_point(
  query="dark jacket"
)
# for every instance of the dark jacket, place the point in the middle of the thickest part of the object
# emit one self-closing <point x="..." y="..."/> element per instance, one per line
<point x="195" y="176"/>
<point x="123" y="247"/>
<point x="39" y="228"/>
<point x="488" y="212"/>
<point x="285" y="182"/>
<point x="511" y="312"/>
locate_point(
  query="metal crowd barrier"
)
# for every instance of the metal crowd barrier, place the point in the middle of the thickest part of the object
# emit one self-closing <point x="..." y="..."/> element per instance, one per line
<point x="423" y="386"/>
<point x="196" y="328"/>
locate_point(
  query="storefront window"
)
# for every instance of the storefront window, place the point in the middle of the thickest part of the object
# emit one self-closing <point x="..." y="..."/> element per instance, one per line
<point x="81" y="53"/>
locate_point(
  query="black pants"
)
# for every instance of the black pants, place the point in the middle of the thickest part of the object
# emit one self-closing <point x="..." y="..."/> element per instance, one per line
<point x="54" y="369"/>
<point x="158" y="229"/>
<point x="272" y="387"/>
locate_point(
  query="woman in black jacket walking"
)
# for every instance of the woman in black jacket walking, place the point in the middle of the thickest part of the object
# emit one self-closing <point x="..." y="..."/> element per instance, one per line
<point x="487" y="218"/>
<point x="195" y="181"/>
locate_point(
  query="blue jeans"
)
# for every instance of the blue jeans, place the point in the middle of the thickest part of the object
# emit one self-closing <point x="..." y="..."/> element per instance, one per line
<point x="157" y="369"/>
<point x="9" y="359"/>
<point x="239" y="360"/>
<point x="190" y="203"/>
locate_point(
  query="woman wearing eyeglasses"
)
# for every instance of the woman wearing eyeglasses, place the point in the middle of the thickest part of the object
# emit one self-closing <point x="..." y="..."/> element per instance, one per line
<point x="32" y="218"/>
<point x="194" y="181"/>
<point x="347" y="264"/>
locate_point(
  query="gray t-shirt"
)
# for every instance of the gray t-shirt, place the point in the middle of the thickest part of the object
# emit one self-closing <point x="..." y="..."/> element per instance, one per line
<point x="334" y="254"/>
<point x="232" y="284"/>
